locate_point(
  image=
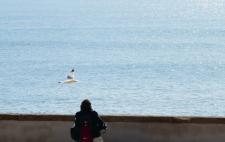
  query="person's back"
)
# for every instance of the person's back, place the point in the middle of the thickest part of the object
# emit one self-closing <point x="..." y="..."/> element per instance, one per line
<point x="87" y="123"/>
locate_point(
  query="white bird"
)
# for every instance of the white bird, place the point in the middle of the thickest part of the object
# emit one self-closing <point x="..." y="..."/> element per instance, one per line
<point x="70" y="77"/>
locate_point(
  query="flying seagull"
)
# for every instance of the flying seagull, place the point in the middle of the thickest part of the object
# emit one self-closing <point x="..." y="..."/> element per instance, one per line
<point x="70" y="77"/>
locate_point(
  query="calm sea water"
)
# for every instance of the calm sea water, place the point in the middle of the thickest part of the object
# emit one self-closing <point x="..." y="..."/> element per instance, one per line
<point x="130" y="57"/>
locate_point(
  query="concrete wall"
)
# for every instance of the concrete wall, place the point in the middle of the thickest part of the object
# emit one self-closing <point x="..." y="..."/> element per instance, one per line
<point x="120" y="129"/>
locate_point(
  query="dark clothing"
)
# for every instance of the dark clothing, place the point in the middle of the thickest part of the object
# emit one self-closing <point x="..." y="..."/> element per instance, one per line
<point x="95" y="122"/>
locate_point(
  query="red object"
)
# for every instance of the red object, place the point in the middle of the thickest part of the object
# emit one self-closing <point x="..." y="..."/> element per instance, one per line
<point x="86" y="133"/>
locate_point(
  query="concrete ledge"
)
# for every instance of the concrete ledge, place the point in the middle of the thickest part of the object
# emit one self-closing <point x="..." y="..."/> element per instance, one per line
<point x="110" y="118"/>
<point x="56" y="128"/>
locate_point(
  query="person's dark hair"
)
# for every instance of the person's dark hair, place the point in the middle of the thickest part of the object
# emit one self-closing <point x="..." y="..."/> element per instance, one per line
<point x="86" y="105"/>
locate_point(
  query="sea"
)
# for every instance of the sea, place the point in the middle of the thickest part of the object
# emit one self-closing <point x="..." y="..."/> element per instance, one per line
<point x="131" y="57"/>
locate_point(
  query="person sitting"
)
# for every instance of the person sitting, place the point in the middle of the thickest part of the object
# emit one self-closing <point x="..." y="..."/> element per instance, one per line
<point x="88" y="125"/>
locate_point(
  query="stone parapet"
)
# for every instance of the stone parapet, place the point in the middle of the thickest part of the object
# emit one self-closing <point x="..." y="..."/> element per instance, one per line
<point x="56" y="128"/>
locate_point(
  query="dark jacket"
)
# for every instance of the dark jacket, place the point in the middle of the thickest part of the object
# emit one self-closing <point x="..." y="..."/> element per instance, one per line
<point x="92" y="117"/>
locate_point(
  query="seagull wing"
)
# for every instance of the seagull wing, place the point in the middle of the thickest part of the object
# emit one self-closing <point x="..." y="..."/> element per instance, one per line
<point x="71" y="75"/>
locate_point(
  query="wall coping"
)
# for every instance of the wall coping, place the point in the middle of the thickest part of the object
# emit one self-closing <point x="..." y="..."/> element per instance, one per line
<point x="112" y="118"/>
